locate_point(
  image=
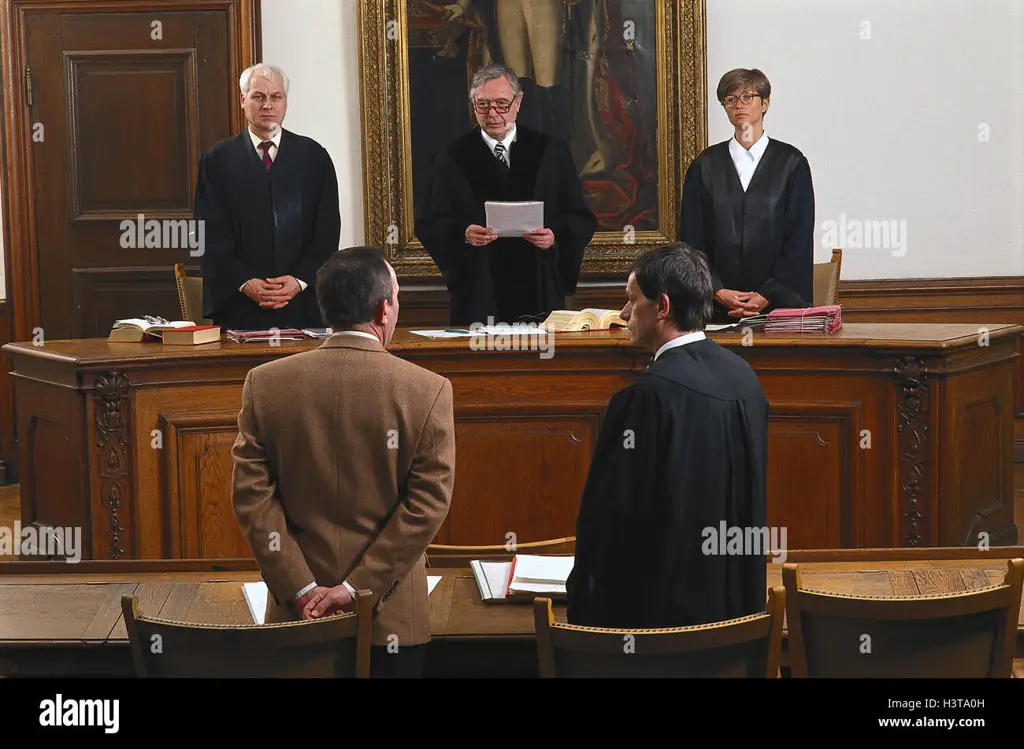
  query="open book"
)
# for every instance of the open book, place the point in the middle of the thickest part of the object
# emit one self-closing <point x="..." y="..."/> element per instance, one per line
<point x="587" y="319"/>
<point x="525" y="577"/>
<point x="133" y="330"/>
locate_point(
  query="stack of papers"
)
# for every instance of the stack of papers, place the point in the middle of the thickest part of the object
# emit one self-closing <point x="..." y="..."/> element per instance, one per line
<point x="827" y="319"/>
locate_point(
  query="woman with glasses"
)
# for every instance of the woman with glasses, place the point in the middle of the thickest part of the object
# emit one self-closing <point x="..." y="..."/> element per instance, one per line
<point x="748" y="203"/>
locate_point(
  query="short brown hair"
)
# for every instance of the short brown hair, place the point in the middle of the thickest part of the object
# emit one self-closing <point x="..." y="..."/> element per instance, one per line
<point x="742" y="79"/>
<point x="351" y="284"/>
<point x="681" y="272"/>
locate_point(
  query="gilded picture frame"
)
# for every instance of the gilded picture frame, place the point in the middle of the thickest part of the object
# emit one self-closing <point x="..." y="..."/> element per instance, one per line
<point x="397" y="34"/>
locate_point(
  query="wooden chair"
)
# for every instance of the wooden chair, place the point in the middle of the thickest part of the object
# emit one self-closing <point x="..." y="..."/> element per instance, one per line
<point x="826" y="280"/>
<point x="190" y="295"/>
<point x="968" y="635"/>
<point x="334" y="647"/>
<point x="746" y="647"/>
<point x="439" y="555"/>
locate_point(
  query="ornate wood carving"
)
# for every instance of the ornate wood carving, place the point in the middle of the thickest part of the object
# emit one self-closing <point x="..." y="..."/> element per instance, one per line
<point x="912" y="411"/>
<point x="112" y="439"/>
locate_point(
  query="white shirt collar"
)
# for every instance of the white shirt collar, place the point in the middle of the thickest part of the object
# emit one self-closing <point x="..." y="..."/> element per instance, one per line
<point x="256" y="140"/>
<point x="681" y="341"/>
<point x="362" y="333"/>
<point x="507" y="141"/>
<point x="754" y="153"/>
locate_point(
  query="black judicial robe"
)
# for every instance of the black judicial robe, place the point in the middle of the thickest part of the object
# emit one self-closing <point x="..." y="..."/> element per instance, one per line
<point x="509" y="278"/>
<point x="682" y="449"/>
<point x="760" y="240"/>
<point x="263" y="224"/>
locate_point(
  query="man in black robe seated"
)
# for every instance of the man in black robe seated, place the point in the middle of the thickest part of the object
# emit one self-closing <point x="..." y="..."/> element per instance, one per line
<point x="681" y="457"/>
<point x="748" y="204"/>
<point x="506" y="278"/>
<point x="269" y="198"/>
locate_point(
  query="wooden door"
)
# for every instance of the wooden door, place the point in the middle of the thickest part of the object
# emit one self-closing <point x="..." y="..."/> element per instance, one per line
<point x="122" y="106"/>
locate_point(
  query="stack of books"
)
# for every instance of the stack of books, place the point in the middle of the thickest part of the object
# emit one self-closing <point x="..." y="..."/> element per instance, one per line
<point x="156" y="329"/>
<point x="827" y="319"/>
<point x="525" y="577"/>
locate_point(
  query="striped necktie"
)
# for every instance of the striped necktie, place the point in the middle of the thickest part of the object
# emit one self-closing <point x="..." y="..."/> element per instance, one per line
<point x="267" y="161"/>
<point x="499" y="154"/>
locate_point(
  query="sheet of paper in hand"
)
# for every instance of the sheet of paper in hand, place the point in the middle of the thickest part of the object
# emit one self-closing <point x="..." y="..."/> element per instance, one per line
<point x="514" y="219"/>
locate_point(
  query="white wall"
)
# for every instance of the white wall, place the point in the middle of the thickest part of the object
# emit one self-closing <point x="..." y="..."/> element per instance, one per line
<point x="909" y="111"/>
<point x="316" y="43"/>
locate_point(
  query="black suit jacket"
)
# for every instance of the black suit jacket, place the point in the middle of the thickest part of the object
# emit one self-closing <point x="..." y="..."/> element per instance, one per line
<point x="263" y="224"/>
<point x="508" y="278"/>
<point x="760" y="240"/>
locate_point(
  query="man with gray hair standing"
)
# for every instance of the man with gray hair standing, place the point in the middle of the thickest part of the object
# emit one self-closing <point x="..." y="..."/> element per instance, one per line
<point x="509" y="279"/>
<point x="269" y="199"/>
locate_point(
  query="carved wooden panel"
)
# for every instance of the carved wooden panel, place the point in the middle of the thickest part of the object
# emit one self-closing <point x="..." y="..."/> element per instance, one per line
<point x="112" y="510"/>
<point x="123" y="104"/>
<point x="102" y="295"/>
<point x="536" y="492"/>
<point x="198" y="469"/>
<point x="916" y="470"/>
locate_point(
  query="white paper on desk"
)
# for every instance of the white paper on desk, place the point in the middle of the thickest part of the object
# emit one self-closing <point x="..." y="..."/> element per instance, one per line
<point x="514" y="219"/>
<point x="256" y="597"/>
<point x="517" y="329"/>
<point x="440" y="334"/>
<point x="725" y="326"/>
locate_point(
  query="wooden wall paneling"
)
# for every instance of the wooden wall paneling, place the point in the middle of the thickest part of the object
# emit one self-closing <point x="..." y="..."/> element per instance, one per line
<point x="197" y="471"/>
<point x="55" y="487"/>
<point x="190" y="461"/>
<point x="184" y="102"/>
<point x="546" y="456"/>
<point x="973" y="467"/>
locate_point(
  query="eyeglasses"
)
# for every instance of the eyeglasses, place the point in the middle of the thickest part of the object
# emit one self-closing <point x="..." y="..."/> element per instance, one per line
<point x="730" y="101"/>
<point x="501" y="106"/>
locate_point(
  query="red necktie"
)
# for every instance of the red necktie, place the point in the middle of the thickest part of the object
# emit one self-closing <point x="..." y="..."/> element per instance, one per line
<point x="267" y="161"/>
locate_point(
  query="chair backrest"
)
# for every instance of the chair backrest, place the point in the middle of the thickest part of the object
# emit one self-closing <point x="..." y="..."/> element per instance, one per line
<point x="190" y="295"/>
<point x="971" y="634"/>
<point x="440" y="555"/>
<point x="826" y="280"/>
<point x="333" y="647"/>
<point x="748" y="647"/>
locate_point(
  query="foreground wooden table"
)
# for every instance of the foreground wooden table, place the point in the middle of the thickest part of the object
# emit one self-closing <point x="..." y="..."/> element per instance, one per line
<point x="882" y="435"/>
<point x="55" y="623"/>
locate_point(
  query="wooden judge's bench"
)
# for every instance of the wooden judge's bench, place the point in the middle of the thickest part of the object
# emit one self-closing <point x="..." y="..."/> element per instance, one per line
<point x="882" y="435"/>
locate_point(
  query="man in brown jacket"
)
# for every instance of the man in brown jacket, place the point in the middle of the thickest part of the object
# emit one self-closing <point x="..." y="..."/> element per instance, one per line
<point x="344" y="467"/>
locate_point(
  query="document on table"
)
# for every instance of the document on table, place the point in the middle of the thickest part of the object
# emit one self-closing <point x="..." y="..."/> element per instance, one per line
<point x="442" y="333"/>
<point x="256" y="596"/>
<point x="514" y="219"/>
<point x="715" y="327"/>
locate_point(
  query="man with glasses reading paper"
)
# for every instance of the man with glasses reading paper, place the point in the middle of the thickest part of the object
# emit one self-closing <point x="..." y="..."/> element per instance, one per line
<point x="504" y="279"/>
